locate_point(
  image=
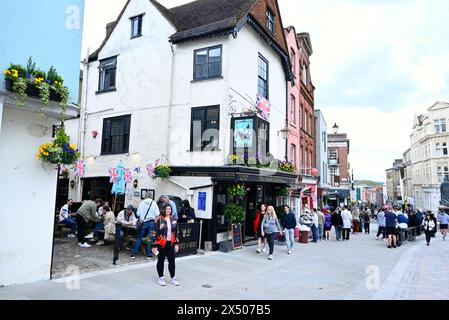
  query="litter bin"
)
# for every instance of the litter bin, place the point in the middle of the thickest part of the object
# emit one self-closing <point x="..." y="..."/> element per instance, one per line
<point x="304" y="237"/>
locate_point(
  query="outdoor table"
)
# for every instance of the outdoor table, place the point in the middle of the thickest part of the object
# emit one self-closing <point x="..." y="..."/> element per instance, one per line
<point x="118" y="242"/>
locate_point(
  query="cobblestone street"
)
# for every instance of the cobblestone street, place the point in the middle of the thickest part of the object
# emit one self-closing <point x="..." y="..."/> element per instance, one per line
<point x="326" y="270"/>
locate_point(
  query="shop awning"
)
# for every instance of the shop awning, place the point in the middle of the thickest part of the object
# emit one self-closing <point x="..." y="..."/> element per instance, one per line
<point x="333" y="193"/>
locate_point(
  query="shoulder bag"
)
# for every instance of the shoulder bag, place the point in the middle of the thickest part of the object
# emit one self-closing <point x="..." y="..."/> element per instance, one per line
<point x="140" y="222"/>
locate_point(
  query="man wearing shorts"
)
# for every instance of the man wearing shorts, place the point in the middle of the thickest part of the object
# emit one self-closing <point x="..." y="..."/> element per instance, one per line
<point x="390" y="225"/>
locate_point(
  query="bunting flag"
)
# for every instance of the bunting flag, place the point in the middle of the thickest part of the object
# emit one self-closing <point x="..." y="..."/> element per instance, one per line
<point x="127" y="176"/>
<point x="113" y="175"/>
<point x="137" y="170"/>
<point x="63" y="167"/>
<point x="150" y="170"/>
<point x="156" y="163"/>
<point x="80" y="168"/>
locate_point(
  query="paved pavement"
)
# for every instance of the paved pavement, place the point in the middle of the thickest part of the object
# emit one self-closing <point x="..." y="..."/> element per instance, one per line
<point x="361" y="268"/>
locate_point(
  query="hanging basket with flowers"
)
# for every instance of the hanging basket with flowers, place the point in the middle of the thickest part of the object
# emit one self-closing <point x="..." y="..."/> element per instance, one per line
<point x="237" y="190"/>
<point x="286" y="166"/>
<point x="162" y="171"/>
<point x="59" y="151"/>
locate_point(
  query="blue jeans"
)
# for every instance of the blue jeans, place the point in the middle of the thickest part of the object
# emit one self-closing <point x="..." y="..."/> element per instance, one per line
<point x="338" y="233"/>
<point x="314" y="232"/>
<point x="71" y="223"/>
<point x="321" y="231"/>
<point x="144" y="231"/>
<point x="98" y="226"/>
<point x="289" y="238"/>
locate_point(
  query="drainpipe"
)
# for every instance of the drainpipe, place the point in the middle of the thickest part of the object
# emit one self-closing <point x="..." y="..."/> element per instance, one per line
<point x="83" y="116"/>
<point x="170" y="101"/>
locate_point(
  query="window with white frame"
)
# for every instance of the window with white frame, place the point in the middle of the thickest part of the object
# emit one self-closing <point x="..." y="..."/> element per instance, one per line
<point x="441" y="149"/>
<point x="293" y="154"/>
<point x="440" y="125"/>
<point x="443" y="172"/>
<point x="292" y="110"/>
<point x="333" y="154"/>
<point x="293" y="60"/>
<point x="270" y="20"/>
<point x="304" y="73"/>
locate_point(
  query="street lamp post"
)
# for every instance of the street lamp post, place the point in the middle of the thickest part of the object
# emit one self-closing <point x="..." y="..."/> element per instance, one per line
<point x="335" y="127"/>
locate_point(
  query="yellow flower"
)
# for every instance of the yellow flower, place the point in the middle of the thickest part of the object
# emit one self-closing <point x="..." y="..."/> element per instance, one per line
<point x="46" y="153"/>
<point x="15" y="73"/>
<point x="72" y="146"/>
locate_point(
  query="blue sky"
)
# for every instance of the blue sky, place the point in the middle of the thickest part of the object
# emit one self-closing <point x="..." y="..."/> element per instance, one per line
<point x="375" y="64"/>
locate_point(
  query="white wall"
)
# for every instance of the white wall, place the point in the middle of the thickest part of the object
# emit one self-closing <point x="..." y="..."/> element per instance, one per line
<point x="27" y="197"/>
<point x="321" y="148"/>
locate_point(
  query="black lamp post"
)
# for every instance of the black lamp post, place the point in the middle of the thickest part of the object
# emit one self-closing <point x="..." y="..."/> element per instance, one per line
<point x="335" y="127"/>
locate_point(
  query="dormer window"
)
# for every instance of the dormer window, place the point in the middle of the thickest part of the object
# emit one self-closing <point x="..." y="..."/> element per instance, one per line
<point x="270" y="20"/>
<point x="136" y="26"/>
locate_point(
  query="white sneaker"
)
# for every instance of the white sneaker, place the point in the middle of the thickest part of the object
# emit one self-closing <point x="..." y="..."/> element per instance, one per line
<point x="162" y="282"/>
<point x="84" y="245"/>
<point x="289" y="252"/>
<point x="100" y="243"/>
<point x="258" y="250"/>
<point x="264" y="249"/>
<point x="174" y="282"/>
<point x="71" y="235"/>
<point x="270" y="257"/>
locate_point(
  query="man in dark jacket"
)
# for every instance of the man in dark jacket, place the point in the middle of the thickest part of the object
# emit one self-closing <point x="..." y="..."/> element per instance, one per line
<point x="288" y="224"/>
<point x="337" y="222"/>
<point x="87" y="212"/>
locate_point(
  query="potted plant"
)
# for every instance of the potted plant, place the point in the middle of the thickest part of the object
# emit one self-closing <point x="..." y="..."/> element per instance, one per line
<point x="59" y="151"/>
<point x="30" y="81"/>
<point x="162" y="171"/>
<point x="234" y="214"/>
<point x="286" y="166"/>
<point x="237" y="190"/>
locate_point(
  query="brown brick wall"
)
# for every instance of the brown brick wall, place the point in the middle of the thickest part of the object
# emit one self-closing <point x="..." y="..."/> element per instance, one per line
<point x="343" y="158"/>
<point x="259" y="14"/>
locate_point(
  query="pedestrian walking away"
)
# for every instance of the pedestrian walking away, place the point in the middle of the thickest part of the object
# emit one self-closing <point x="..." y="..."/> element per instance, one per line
<point x="381" y="223"/>
<point x="164" y="243"/>
<point x="367" y="221"/>
<point x="337" y="222"/>
<point x="429" y="227"/>
<point x="390" y="227"/>
<point x="258" y="229"/>
<point x="288" y="223"/>
<point x="314" y="225"/>
<point x="327" y="224"/>
<point x="346" y="217"/>
<point x="320" y="225"/>
<point x="443" y="220"/>
<point x="271" y="227"/>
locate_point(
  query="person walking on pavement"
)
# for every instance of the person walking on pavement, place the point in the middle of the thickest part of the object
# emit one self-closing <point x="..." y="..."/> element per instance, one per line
<point x="432" y="216"/>
<point x="314" y="225"/>
<point x="258" y="229"/>
<point x="288" y="223"/>
<point x="355" y="220"/>
<point x="147" y="213"/>
<point x="271" y="227"/>
<point x="327" y="224"/>
<point x="367" y="220"/>
<point x="390" y="226"/>
<point x="164" y="243"/>
<point x="337" y="222"/>
<point x="381" y="223"/>
<point x="346" y="217"/>
<point x="429" y="227"/>
<point x="87" y="212"/>
<point x="320" y="225"/>
<point x="443" y="219"/>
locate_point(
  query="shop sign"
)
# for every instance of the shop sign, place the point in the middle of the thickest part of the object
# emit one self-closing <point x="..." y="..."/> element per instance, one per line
<point x="189" y="237"/>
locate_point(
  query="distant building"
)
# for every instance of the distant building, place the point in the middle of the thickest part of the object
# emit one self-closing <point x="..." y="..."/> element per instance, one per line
<point x="394" y="190"/>
<point x="321" y="153"/>
<point x="339" y="177"/>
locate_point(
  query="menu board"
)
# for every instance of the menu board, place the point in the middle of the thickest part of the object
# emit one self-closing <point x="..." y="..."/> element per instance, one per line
<point x="236" y="236"/>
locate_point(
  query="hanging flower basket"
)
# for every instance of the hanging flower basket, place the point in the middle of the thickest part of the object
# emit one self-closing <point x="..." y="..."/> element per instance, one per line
<point x="162" y="171"/>
<point x="237" y="190"/>
<point x="59" y="151"/>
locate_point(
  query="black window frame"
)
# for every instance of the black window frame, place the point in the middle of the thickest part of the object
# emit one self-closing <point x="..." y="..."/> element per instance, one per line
<point x="107" y="137"/>
<point x="271" y="20"/>
<point x="139" y="19"/>
<point x="220" y="75"/>
<point x="255" y="148"/>
<point x="259" y="78"/>
<point x="102" y="73"/>
<point x="204" y="127"/>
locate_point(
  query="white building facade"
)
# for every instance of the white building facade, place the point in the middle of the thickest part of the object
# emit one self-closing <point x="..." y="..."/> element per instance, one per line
<point x="321" y="150"/>
<point x="429" y="159"/>
<point x="162" y="86"/>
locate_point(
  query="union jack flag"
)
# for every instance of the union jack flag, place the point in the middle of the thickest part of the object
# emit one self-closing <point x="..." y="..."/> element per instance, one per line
<point x="127" y="176"/>
<point x="64" y="167"/>
<point x="156" y="163"/>
<point x="263" y="106"/>
<point x="137" y="170"/>
<point x="113" y="175"/>
<point x="150" y="170"/>
<point x="80" y="168"/>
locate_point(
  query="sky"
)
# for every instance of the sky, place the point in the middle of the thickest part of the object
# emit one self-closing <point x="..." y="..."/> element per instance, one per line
<point x="375" y="64"/>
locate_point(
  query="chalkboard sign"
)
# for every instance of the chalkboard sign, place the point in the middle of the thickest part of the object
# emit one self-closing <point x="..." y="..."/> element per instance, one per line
<point x="236" y="236"/>
<point x="189" y="237"/>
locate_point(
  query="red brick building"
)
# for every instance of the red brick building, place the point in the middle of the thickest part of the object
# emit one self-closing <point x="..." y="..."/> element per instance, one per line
<point x="301" y="120"/>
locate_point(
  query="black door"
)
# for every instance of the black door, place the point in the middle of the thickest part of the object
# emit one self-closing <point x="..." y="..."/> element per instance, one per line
<point x="251" y="210"/>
